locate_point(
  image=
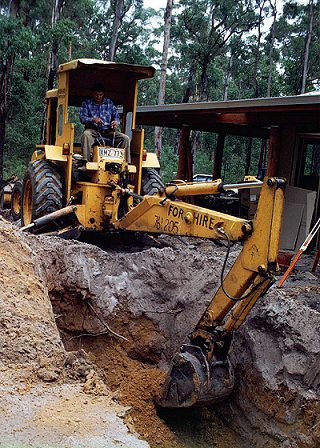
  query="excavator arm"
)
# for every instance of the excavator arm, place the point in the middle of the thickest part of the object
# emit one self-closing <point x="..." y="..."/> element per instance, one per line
<point x="201" y="374"/>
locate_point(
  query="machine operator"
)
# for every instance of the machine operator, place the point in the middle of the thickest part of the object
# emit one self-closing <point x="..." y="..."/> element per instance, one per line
<point x="101" y="119"/>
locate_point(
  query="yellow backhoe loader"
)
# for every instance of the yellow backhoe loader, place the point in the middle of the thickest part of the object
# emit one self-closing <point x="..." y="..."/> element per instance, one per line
<point x="65" y="192"/>
<point x="10" y="196"/>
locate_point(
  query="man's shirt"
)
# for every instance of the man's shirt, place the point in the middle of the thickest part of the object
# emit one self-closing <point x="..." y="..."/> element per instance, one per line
<point x="106" y="111"/>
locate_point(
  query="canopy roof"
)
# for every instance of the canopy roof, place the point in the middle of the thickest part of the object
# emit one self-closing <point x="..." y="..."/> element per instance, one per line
<point x="116" y="77"/>
<point x="138" y="71"/>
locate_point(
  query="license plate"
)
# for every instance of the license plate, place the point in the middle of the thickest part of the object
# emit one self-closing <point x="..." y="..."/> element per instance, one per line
<point x="111" y="153"/>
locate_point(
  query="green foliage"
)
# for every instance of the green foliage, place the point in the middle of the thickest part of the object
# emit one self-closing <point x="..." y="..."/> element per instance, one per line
<point x="14" y="165"/>
<point x="292" y="28"/>
<point x="209" y="38"/>
<point x="15" y="40"/>
<point x="169" y="164"/>
<point x="201" y="34"/>
<point x="203" y="163"/>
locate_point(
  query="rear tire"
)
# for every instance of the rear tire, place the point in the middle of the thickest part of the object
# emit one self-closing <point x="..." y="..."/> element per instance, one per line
<point x="16" y="198"/>
<point x="2" y="200"/>
<point x="151" y="182"/>
<point x="42" y="191"/>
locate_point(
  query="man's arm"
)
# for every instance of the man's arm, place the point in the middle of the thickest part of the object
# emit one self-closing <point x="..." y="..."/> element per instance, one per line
<point x="115" y="118"/>
<point x="85" y="113"/>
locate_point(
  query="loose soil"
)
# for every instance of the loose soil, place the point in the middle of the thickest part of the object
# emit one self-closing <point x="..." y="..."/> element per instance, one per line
<point x="70" y="379"/>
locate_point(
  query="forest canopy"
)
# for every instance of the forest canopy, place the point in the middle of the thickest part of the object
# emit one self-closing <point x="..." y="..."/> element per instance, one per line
<point x="216" y="50"/>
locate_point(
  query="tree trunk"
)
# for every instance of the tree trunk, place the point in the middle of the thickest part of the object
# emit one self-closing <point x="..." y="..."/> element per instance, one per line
<point x="70" y="51"/>
<point x="190" y="162"/>
<point x="307" y="48"/>
<point x="5" y="74"/>
<point x="6" y="67"/>
<point x="204" y="79"/>
<point x="273" y="32"/>
<point x="188" y="91"/>
<point x="262" y="159"/>
<point x="184" y="151"/>
<point x="183" y="141"/>
<point x="248" y="157"/>
<point x="195" y="142"/>
<point x="257" y="53"/>
<point x="53" y="57"/>
<point x="115" y="28"/>
<point x="196" y="137"/>
<point x="163" y="72"/>
<point x="13" y="7"/>
<point x="227" y="77"/>
<point x="52" y="67"/>
<point x="218" y="155"/>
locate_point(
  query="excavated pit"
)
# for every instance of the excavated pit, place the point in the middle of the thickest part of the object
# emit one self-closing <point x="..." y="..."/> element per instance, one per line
<point x="148" y="298"/>
<point x="121" y="312"/>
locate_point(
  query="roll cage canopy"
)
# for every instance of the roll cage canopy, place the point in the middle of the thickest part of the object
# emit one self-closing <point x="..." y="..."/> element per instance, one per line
<point x="77" y="77"/>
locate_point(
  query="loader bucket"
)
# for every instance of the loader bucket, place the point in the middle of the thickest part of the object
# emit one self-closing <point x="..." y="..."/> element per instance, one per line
<point x="193" y="381"/>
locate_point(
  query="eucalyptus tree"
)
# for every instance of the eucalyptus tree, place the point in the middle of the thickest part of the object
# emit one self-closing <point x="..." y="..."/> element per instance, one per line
<point x="15" y="38"/>
<point x="119" y="12"/>
<point x="203" y="32"/>
<point x="307" y="46"/>
<point x="273" y="7"/>
<point x="261" y="8"/>
<point x="124" y="29"/>
<point x="53" y="54"/>
<point x="298" y="35"/>
<point x="30" y="40"/>
<point x="163" y="71"/>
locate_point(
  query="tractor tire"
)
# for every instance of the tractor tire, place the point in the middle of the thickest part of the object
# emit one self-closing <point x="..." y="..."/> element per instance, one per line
<point x="151" y="182"/>
<point x="42" y="191"/>
<point x="16" y="196"/>
<point x="2" y="200"/>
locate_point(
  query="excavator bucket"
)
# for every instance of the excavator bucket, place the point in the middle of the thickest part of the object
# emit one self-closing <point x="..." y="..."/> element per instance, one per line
<point x="193" y="381"/>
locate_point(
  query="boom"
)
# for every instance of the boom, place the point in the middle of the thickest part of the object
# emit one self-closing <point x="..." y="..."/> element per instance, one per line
<point x="200" y="373"/>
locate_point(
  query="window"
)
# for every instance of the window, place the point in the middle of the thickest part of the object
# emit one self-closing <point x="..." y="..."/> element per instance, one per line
<point x="308" y="169"/>
<point x="312" y="159"/>
<point x="60" y="119"/>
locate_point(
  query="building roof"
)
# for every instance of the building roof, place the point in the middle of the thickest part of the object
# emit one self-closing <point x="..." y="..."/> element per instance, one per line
<point x="252" y="117"/>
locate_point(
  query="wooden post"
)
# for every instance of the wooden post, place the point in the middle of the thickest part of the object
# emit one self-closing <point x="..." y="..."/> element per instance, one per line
<point x="218" y="155"/>
<point x="316" y="261"/>
<point x="189" y="176"/>
<point x="183" y="151"/>
<point x="273" y="151"/>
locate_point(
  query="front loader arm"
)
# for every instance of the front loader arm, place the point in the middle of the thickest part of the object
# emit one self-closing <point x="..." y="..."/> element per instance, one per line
<point x="155" y="214"/>
<point x="200" y="373"/>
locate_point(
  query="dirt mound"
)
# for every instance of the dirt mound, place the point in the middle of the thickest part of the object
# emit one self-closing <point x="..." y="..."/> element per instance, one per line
<point x="47" y="397"/>
<point x="29" y="337"/>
